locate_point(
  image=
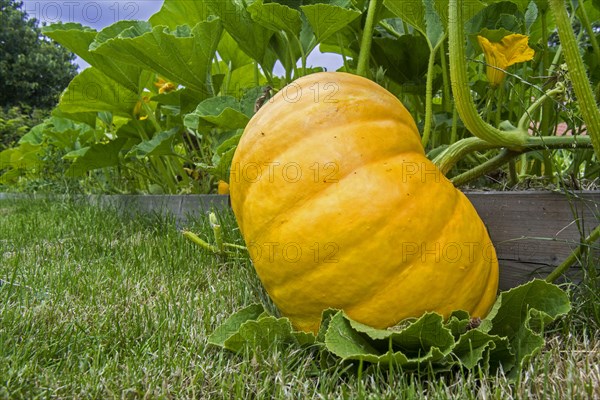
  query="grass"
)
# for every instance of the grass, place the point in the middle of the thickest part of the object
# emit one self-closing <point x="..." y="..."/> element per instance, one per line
<point x="93" y="305"/>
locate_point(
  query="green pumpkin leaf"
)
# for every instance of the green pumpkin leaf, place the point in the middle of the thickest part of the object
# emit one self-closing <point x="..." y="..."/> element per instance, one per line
<point x="276" y="17"/>
<point x="248" y="100"/>
<point x="35" y="136"/>
<point x="424" y="340"/>
<point x="174" y="13"/>
<point x="253" y="329"/>
<point x="66" y="134"/>
<point x="223" y="111"/>
<point x="231" y="53"/>
<point x="507" y="338"/>
<point x="250" y="36"/>
<point x="233" y="323"/>
<point x="25" y="156"/>
<point x="15" y="161"/>
<point x="404" y="59"/>
<point x="326" y="19"/>
<point x="472" y="346"/>
<point x="490" y="17"/>
<point x="78" y="39"/>
<point x="93" y="91"/>
<point x="458" y="323"/>
<point x="182" y="55"/>
<point x="429" y="17"/>
<point x="99" y="155"/>
<point x="160" y="145"/>
<point x="261" y="334"/>
<point x="242" y="79"/>
<point x="521" y="314"/>
<point x="220" y="168"/>
<point x="222" y="158"/>
<point x="88" y="118"/>
<point x="521" y="4"/>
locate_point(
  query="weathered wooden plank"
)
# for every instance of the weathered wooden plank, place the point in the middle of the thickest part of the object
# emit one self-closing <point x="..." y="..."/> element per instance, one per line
<point x="532" y="231"/>
<point x="180" y="207"/>
<point x="535" y="231"/>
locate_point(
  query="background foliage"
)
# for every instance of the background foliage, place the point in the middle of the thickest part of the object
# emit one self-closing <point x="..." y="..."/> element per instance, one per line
<point x="33" y="69"/>
<point x="164" y="102"/>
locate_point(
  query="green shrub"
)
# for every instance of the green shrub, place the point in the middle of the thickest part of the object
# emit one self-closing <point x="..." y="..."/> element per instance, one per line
<point x="17" y="121"/>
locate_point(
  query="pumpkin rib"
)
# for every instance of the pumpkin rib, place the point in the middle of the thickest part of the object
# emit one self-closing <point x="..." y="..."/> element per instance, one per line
<point x="397" y="281"/>
<point x="308" y="275"/>
<point x="327" y="187"/>
<point x="402" y="270"/>
<point x="279" y="153"/>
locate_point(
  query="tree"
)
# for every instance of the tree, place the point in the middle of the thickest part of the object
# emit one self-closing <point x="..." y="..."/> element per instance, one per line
<point x="33" y="69"/>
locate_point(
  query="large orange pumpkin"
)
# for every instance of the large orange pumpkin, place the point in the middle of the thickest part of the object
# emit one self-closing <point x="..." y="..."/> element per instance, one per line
<point x="340" y="208"/>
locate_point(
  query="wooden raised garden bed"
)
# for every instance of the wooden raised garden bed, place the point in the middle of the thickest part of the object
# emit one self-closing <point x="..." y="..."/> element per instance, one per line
<point x="532" y="231"/>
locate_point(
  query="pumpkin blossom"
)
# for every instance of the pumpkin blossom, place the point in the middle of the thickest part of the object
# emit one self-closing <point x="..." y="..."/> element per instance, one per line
<point x="138" y="112"/>
<point x="164" y="86"/>
<point x="512" y="49"/>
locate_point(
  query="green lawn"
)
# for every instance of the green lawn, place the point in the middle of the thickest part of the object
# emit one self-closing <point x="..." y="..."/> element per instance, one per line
<point x="93" y="305"/>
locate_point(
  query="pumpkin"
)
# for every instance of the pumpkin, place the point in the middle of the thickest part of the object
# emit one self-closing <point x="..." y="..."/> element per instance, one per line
<point x="340" y="208"/>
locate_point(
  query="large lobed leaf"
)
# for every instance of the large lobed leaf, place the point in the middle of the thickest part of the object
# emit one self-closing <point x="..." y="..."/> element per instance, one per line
<point x="78" y="39"/>
<point x="182" y="55"/>
<point x="507" y="338"/>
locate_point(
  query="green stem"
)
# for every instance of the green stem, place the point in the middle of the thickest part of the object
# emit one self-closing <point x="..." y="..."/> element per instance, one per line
<point x="344" y="58"/>
<point x="291" y="56"/>
<point x="235" y="246"/>
<point x="225" y="84"/>
<point x="458" y="150"/>
<point x="524" y="165"/>
<point x="483" y="168"/>
<point x="256" y="74"/>
<point x="499" y="100"/>
<point x="303" y="54"/>
<point x="559" y="90"/>
<point x="217" y="230"/>
<point x="446" y="101"/>
<point x="555" y="60"/>
<point x="581" y="84"/>
<point x="446" y="160"/>
<point x="454" y="129"/>
<point x="367" y="38"/>
<point x="506" y="155"/>
<point x="547" y="108"/>
<point x="513" y="178"/>
<point x="194" y="238"/>
<point x="429" y="97"/>
<point x="585" y="21"/>
<point x="389" y="29"/>
<point x="460" y="87"/>
<point x="574" y="256"/>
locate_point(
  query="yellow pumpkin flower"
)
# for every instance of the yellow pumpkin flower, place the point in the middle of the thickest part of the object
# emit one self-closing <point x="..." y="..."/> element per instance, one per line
<point x="138" y="112"/>
<point x="223" y="187"/>
<point x="512" y="49"/>
<point x="164" y="86"/>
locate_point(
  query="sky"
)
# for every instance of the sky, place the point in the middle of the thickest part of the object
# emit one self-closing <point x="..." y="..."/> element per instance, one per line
<point x="94" y="13"/>
<point x="102" y="13"/>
